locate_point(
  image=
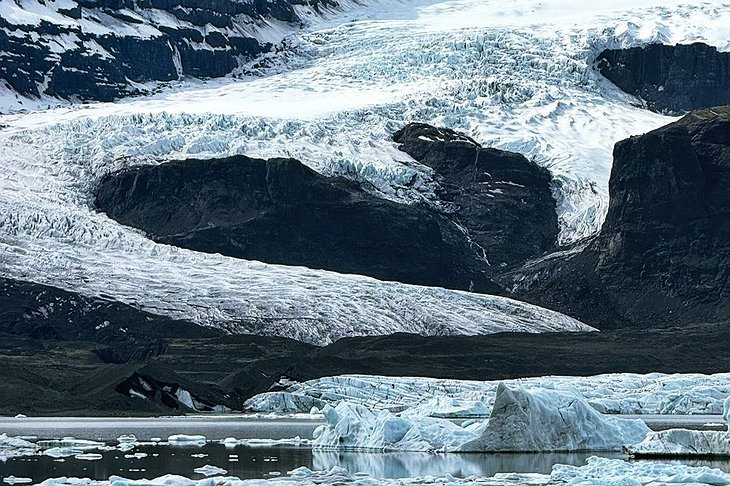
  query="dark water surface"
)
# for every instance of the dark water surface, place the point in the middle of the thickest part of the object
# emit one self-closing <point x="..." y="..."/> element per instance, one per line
<point x="250" y="462"/>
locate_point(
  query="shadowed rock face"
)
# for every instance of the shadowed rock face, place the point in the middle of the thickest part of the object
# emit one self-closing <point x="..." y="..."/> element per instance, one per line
<point x="671" y="79"/>
<point x="501" y="199"/>
<point x="280" y="211"/>
<point x="132" y="41"/>
<point x="499" y="213"/>
<point x="663" y="254"/>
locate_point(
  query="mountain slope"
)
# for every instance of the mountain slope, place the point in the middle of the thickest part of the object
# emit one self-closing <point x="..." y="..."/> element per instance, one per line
<point x="102" y="50"/>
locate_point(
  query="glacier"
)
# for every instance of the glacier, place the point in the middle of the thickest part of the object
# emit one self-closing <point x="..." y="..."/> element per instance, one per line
<point x="616" y="393"/>
<point x="510" y="78"/>
<point x="538" y="420"/>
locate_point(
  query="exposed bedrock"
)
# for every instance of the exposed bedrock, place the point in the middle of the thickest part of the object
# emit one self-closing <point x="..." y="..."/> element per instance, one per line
<point x="280" y="211"/>
<point x="497" y="211"/>
<point x="41" y="312"/>
<point x="663" y="255"/>
<point x="102" y="49"/>
<point x="501" y="199"/>
<point x="670" y="79"/>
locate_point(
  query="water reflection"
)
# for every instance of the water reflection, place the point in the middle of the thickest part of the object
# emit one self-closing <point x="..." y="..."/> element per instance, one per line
<point x="399" y="465"/>
<point x="267" y="462"/>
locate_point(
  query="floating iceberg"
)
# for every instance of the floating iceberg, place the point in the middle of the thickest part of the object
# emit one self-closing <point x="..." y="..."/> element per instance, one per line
<point x="612" y="472"/>
<point x="186" y="439"/>
<point x="16" y="480"/>
<point x="521" y="421"/>
<point x="551" y="420"/>
<point x="683" y="442"/>
<point x="15" y="447"/>
<point x="209" y="470"/>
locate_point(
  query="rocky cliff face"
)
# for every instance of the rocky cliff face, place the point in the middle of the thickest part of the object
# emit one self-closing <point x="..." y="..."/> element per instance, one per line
<point x="497" y="212"/>
<point x="102" y="49"/>
<point x="663" y="254"/>
<point x="670" y="79"/>
<point x="280" y="211"/>
<point x="502" y="200"/>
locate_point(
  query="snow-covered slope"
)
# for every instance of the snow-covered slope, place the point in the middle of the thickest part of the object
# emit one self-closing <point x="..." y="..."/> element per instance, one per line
<point x="507" y="76"/>
<point x="621" y="393"/>
<point x="104" y="50"/>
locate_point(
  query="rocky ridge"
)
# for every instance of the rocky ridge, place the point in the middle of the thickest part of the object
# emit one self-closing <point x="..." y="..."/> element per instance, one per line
<point x="105" y="49"/>
<point x="670" y="79"/>
<point x="662" y="257"/>
<point x="496" y="211"/>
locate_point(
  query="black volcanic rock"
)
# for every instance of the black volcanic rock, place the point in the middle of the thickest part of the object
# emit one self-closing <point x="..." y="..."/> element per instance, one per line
<point x="671" y="79"/>
<point x="42" y="312"/>
<point x="101" y="50"/>
<point x="501" y="199"/>
<point x="663" y="255"/>
<point x="280" y="211"/>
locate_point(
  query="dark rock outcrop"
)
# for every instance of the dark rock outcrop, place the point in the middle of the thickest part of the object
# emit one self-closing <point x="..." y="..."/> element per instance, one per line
<point x="662" y="257"/>
<point x="670" y="79"/>
<point x="45" y="377"/>
<point x="41" y="312"/>
<point x="502" y="200"/>
<point x="280" y="211"/>
<point x="100" y="49"/>
<point x="496" y="211"/>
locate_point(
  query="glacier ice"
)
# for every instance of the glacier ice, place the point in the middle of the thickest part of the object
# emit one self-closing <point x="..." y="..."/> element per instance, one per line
<point x="186" y="439"/>
<point x="209" y="470"/>
<point x="684" y="442"/>
<point x="617" y="393"/>
<point x="15" y="447"/>
<point x="518" y="79"/>
<point x="521" y="421"/>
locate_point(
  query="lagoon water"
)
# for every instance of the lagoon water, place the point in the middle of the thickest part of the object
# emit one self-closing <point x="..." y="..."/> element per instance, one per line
<point x="149" y="461"/>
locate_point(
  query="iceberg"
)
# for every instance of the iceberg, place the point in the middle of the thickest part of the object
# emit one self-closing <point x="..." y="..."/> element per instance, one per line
<point x="520" y="421"/>
<point x="612" y="472"/>
<point x="186" y="439"/>
<point x="15" y="447"/>
<point x="209" y="470"/>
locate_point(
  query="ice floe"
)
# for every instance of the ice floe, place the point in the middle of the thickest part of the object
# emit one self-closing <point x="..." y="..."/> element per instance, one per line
<point x="186" y="439"/>
<point x="209" y="470"/>
<point x="15" y="447"/>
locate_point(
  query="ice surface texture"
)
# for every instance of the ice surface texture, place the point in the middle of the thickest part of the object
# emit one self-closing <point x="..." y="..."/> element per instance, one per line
<point x="514" y="81"/>
<point x="622" y="393"/>
<point x="521" y="421"/>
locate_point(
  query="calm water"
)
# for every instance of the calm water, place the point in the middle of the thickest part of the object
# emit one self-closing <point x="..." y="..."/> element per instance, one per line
<point x="245" y="461"/>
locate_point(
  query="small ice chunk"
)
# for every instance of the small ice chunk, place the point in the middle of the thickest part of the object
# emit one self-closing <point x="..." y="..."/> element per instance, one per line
<point x="209" y="470"/>
<point x="17" y="480"/>
<point x="188" y="439"/>
<point x="90" y="456"/>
